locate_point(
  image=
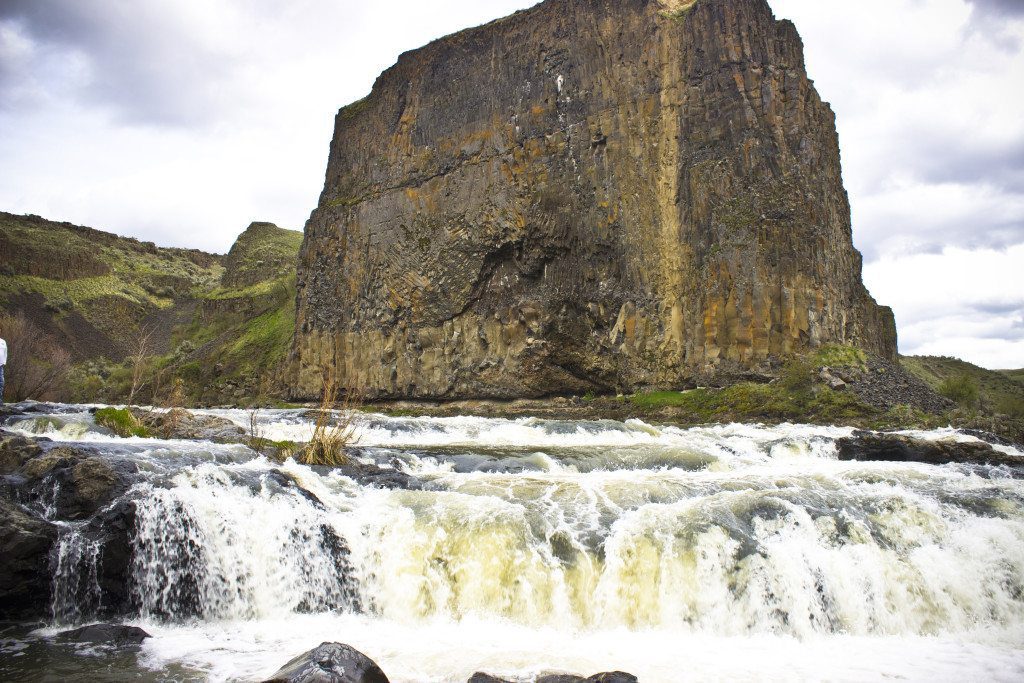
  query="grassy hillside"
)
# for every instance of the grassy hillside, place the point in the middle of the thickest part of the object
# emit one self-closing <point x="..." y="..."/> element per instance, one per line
<point x="216" y="328"/>
<point x="987" y="390"/>
<point x="1016" y="375"/>
<point x="94" y="291"/>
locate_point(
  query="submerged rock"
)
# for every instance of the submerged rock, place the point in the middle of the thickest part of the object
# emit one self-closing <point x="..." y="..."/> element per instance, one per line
<point x="25" y="543"/>
<point x="873" y="446"/>
<point x="373" y="475"/>
<point x="330" y="663"/>
<point x="110" y="634"/>
<point x="480" y="677"/>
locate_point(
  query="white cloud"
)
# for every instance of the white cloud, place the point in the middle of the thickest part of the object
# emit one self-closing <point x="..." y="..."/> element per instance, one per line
<point x="182" y="122"/>
<point x="959" y="302"/>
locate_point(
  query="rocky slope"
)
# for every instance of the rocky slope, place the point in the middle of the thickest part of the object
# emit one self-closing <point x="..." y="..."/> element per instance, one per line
<point x="583" y="197"/>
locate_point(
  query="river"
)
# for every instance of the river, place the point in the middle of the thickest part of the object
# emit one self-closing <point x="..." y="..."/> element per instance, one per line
<point x="730" y="552"/>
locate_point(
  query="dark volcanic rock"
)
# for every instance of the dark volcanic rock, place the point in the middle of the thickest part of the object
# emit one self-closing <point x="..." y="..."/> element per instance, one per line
<point x="112" y="530"/>
<point x="871" y="446"/>
<point x="583" y="196"/>
<point x="110" y="634"/>
<point x="372" y="475"/>
<point x="480" y="677"/>
<point x="330" y="663"/>
<point x="612" y="677"/>
<point x="25" y="543"/>
<point x="75" y="483"/>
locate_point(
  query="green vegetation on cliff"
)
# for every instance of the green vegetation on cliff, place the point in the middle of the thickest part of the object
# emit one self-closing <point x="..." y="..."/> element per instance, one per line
<point x="232" y="349"/>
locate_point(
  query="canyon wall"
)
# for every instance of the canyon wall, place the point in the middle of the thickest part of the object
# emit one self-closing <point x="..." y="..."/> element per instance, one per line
<point x="589" y="195"/>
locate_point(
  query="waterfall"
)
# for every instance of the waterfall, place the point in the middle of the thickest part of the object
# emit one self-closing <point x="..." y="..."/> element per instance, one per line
<point x="578" y="530"/>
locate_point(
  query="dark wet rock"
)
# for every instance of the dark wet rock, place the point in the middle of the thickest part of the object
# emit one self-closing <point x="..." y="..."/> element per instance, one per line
<point x="76" y="483"/>
<point x="874" y="446"/>
<point x="110" y="634"/>
<point x="15" y="451"/>
<point x="25" y="543"/>
<point x="179" y="423"/>
<point x="612" y="677"/>
<point x="480" y="677"/>
<point x="282" y="481"/>
<point x="330" y="663"/>
<point x="112" y="529"/>
<point x="374" y="475"/>
<point x="561" y="678"/>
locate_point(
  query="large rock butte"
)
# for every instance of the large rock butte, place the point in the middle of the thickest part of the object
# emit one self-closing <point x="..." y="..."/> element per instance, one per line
<point x="586" y="195"/>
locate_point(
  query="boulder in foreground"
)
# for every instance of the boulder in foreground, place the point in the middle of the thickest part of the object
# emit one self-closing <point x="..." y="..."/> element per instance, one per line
<point x="330" y="663"/>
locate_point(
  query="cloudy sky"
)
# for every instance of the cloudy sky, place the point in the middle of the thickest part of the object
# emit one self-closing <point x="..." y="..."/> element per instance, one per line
<point x="180" y="121"/>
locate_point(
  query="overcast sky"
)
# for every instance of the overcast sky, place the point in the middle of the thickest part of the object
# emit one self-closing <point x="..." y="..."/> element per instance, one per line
<point x="180" y="121"/>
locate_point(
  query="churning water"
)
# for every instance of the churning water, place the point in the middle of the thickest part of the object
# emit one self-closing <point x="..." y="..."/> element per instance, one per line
<point x="726" y="552"/>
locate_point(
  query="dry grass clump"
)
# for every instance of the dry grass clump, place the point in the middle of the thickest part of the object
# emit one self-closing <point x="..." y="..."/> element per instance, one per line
<point x="334" y="430"/>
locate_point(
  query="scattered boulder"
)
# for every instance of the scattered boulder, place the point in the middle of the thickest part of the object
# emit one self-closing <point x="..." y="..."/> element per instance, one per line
<point x="25" y="543"/>
<point x="330" y="663"/>
<point x="15" y="451"/>
<point x="107" y="634"/>
<point x="873" y="446"/>
<point x="179" y="423"/>
<point x="480" y="677"/>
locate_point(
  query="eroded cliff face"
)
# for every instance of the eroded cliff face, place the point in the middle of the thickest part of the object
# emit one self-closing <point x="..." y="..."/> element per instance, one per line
<point x="587" y="195"/>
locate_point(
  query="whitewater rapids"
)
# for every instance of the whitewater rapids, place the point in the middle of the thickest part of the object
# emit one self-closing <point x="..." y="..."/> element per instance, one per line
<point x="738" y="552"/>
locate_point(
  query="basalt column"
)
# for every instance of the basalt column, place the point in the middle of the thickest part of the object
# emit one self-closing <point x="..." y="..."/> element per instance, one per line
<point x="586" y="195"/>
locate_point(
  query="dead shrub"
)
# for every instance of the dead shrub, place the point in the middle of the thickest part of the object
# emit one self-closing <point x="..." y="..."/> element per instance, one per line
<point x="37" y="365"/>
<point x="334" y="428"/>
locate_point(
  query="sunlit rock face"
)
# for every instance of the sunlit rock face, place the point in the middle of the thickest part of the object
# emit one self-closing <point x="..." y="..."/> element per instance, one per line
<point x="600" y="195"/>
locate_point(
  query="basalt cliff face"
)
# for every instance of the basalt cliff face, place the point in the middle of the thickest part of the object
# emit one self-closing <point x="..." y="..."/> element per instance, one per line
<point x="587" y="195"/>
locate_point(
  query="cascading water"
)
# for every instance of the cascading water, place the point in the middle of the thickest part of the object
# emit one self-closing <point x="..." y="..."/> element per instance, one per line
<point x="533" y="545"/>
